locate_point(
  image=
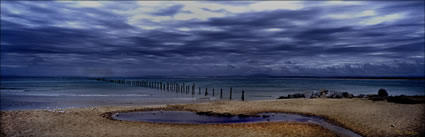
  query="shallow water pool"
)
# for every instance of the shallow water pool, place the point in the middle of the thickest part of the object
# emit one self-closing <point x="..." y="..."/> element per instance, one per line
<point x="193" y="118"/>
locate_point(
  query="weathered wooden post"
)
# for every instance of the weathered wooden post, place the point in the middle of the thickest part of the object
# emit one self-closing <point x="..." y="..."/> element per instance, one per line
<point x="206" y="91"/>
<point x="213" y="91"/>
<point x="221" y="92"/>
<point x="243" y="95"/>
<point x="193" y="88"/>
<point x="230" y="93"/>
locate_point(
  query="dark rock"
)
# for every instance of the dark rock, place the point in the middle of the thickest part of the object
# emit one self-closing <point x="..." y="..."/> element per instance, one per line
<point x="337" y="95"/>
<point x="382" y="92"/>
<point x="296" y="95"/>
<point x="282" y="97"/>
<point x="362" y="96"/>
<point x="347" y="95"/>
<point x="308" y="94"/>
<point x="323" y="93"/>
<point x="315" y="95"/>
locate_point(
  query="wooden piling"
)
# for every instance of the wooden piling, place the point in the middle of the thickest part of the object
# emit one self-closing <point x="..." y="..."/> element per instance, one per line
<point x="199" y="91"/>
<point x="206" y="91"/>
<point x="230" y="94"/>
<point x="221" y="92"/>
<point x="213" y="91"/>
<point x="193" y="88"/>
<point x="243" y="95"/>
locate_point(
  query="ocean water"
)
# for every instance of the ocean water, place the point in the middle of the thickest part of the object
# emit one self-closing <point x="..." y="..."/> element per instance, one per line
<point x="46" y="93"/>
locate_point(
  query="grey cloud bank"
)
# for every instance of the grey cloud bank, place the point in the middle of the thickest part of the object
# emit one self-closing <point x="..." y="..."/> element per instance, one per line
<point x="286" y="38"/>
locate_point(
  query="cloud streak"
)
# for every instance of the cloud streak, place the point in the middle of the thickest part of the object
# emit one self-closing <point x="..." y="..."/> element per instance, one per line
<point x="212" y="38"/>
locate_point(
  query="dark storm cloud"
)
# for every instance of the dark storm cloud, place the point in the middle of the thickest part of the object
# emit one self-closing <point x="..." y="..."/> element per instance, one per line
<point x="106" y="38"/>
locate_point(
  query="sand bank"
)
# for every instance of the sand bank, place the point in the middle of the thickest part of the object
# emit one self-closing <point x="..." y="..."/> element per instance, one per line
<point x="365" y="117"/>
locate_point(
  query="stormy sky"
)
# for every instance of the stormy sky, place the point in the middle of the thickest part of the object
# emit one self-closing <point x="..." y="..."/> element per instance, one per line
<point x="285" y="38"/>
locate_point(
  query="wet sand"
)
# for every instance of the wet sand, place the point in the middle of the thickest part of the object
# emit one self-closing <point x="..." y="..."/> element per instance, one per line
<point x="365" y="117"/>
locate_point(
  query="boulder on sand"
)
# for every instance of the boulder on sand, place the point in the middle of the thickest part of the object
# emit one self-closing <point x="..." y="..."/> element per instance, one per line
<point x="347" y="95"/>
<point x="296" y="95"/>
<point x="382" y="92"/>
<point x="324" y="92"/>
<point x="337" y="95"/>
<point x="308" y="94"/>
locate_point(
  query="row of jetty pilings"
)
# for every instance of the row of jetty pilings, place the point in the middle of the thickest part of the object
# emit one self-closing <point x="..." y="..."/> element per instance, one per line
<point x="168" y="86"/>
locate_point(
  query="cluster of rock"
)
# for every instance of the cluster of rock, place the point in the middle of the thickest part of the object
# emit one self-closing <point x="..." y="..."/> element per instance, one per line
<point x="382" y="93"/>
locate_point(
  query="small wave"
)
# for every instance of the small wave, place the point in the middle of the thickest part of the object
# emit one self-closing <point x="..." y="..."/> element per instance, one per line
<point x="87" y="95"/>
<point x="11" y="90"/>
<point x="94" y="95"/>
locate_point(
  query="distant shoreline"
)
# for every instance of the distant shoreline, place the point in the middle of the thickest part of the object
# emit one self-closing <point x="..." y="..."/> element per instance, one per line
<point x="236" y="77"/>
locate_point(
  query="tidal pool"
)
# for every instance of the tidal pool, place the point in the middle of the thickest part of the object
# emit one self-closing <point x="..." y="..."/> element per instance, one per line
<point x="188" y="117"/>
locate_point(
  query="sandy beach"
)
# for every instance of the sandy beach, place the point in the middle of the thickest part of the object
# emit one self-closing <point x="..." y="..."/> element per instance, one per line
<point x="365" y="117"/>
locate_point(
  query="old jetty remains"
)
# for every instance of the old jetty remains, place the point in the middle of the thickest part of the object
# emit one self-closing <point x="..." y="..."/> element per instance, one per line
<point x="169" y="86"/>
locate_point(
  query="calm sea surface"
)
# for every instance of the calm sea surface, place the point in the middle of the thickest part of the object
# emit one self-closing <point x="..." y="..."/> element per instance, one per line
<point x="45" y="93"/>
